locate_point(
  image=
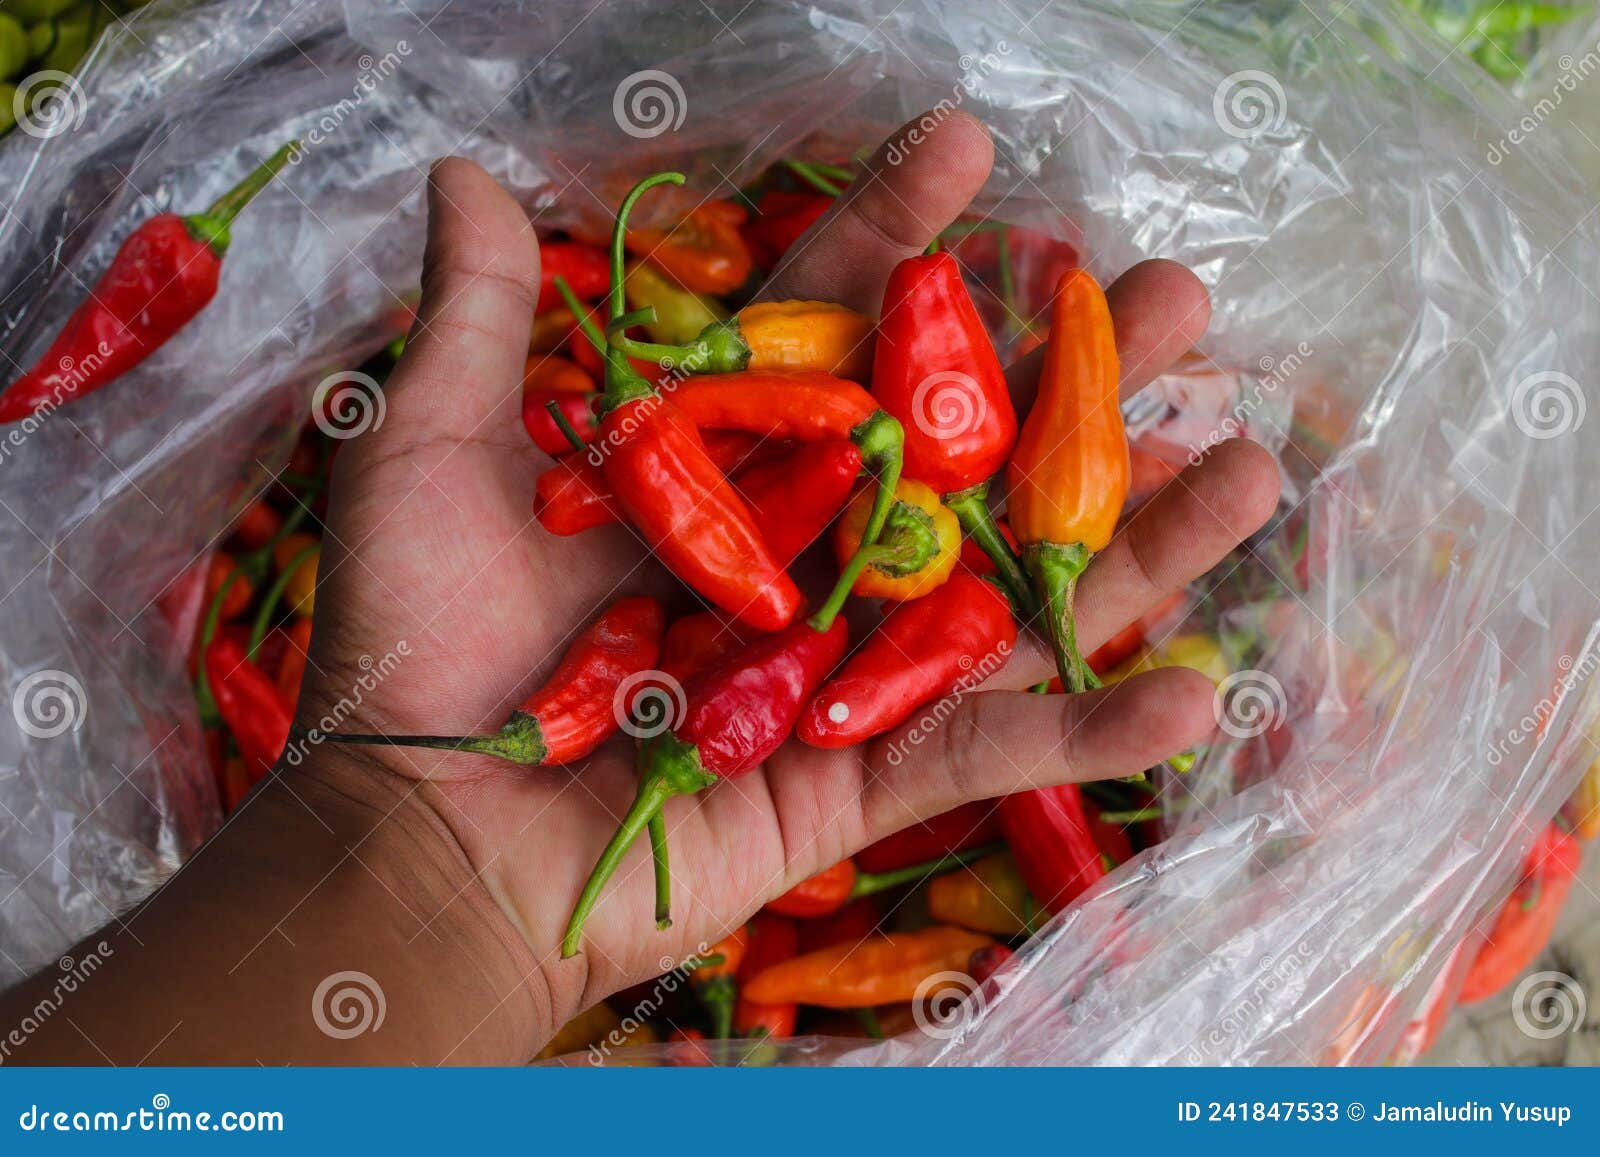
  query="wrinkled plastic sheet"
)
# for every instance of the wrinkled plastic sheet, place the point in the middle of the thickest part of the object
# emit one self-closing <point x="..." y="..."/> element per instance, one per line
<point x="1373" y="278"/>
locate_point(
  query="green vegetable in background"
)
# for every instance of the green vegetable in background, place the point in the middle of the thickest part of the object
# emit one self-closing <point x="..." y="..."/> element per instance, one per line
<point x="14" y="54"/>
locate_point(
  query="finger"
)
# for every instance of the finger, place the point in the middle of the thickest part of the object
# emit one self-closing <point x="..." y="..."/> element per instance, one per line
<point x="999" y="742"/>
<point x="1160" y="310"/>
<point x="461" y="375"/>
<point x="916" y="184"/>
<point x="1179" y="535"/>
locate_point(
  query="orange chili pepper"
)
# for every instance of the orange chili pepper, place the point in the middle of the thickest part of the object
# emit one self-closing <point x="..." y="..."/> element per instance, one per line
<point x="1070" y="473"/>
<point x="704" y="253"/>
<point x="880" y="971"/>
<point x="292" y="667"/>
<point x="887" y="574"/>
<point x="988" y="896"/>
<point x="300" y="587"/>
<point x="784" y="336"/>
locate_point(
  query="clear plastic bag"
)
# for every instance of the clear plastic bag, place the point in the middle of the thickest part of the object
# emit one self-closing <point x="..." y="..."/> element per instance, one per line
<point x="1327" y="182"/>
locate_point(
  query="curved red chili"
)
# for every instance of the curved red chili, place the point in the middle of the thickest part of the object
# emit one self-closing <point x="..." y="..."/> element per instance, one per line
<point x="1053" y="843"/>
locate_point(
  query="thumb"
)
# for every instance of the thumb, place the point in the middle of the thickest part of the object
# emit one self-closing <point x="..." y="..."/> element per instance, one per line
<point x="461" y="374"/>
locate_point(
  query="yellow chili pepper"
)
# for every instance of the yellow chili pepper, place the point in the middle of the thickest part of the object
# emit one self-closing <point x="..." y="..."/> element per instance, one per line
<point x="1196" y="651"/>
<point x="679" y="314"/>
<point x="808" y="335"/>
<point x="902" y="572"/>
<point x="988" y="896"/>
<point x="300" y="587"/>
<point x="1070" y="472"/>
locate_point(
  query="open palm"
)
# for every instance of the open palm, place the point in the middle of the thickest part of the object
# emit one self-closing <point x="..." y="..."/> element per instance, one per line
<point x="433" y="556"/>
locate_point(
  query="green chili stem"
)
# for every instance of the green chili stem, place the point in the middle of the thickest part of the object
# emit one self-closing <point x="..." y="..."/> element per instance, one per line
<point x="654" y="792"/>
<point x="871" y="883"/>
<point x="1055" y="569"/>
<point x="971" y="508"/>
<point x="228" y="205"/>
<point x="553" y="408"/>
<point x="657" y="827"/>
<point x="269" y="602"/>
<point x="582" y="315"/>
<point x="813" y="177"/>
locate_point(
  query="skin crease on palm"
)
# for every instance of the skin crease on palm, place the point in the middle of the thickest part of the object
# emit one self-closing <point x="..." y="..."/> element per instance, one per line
<point x="431" y="540"/>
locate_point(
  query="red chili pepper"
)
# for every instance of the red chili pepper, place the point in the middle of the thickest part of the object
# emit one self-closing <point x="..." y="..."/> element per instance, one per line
<point x="1050" y="837"/>
<point x="941" y="643"/>
<point x="1111" y="838"/>
<point x="956" y="830"/>
<point x="292" y="666"/>
<point x="578" y="409"/>
<point x="834" y="887"/>
<point x="986" y="961"/>
<point x="782" y="215"/>
<point x="853" y="923"/>
<point x="772" y="940"/>
<point x="793" y="499"/>
<point x="163" y="275"/>
<point x="1528" y="916"/>
<point x="573" y="495"/>
<point x="937" y="372"/>
<point x="575" y="710"/>
<point x="257" y="525"/>
<point x="696" y="641"/>
<point x="586" y="268"/>
<point x="704" y="252"/>
<point x="667" y="485"/>
<point x="738" y="712"/>
<point x="249" y="703"/>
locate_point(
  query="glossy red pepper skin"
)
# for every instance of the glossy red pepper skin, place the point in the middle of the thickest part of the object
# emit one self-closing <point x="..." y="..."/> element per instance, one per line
<point x="579" y="410"/>
<point x="794" y="499"/>
<point x="690" y="515"/>
<point x="827" y="891"/>
<point x="695" y="642"/>
<point x="936" y="370"/>
<point x="802" y="405"/>
<point x="164" y="274"/>
<point x="956" y="830"/>
<point x="1528" y="917"/>
<point x="249" y="703"/>
<point x="742" y="708"/>
<point x="772" y="940"/>
<point x="1054" y="846"/>
<point x="575" y="710"/>
<point x="926" y="648"/>
<point x="781" y="217"/>
<point x="585" y="268"/>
